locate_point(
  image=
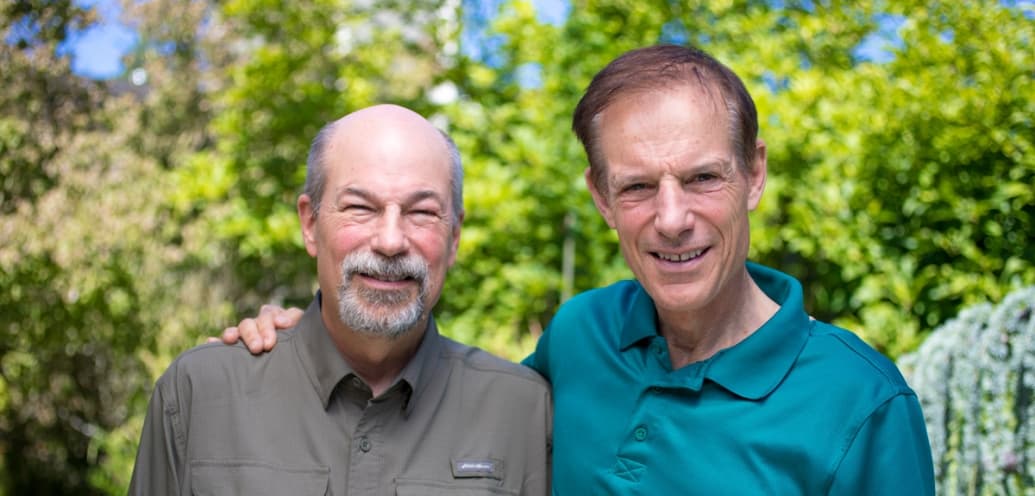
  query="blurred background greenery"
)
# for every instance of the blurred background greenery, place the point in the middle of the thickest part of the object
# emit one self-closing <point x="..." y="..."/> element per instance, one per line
<point x="141" y="213"/>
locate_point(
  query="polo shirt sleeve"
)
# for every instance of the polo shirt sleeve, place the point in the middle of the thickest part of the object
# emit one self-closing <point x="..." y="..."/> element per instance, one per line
<point x="158" y="463"/>
<point x="538" y="360"/>
<point x="890" y="454"/>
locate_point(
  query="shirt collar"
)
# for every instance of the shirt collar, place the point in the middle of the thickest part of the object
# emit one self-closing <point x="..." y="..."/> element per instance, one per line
<point x="326" y="367"/>
<point x="641" y="319"/>
<point x="771" y="350"/>
<point x="424" y="364"/>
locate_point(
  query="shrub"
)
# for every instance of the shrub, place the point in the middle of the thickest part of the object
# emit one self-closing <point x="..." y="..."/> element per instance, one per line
<point x="975" y="376"/>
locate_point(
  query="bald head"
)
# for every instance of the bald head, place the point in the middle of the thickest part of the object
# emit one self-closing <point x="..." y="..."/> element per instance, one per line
<point x="380" y="132"/>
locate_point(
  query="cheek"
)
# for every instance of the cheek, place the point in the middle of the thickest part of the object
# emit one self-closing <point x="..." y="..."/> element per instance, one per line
<point x="629" y="219"/>
<point x="434" y="244"/>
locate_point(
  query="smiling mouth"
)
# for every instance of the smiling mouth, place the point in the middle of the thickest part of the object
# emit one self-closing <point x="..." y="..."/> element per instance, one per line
<point x="679" y="257"/>
<point x="386" y="277"/>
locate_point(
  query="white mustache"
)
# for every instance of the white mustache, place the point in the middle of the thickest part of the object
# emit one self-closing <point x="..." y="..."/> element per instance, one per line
<point x="390" y="269"/>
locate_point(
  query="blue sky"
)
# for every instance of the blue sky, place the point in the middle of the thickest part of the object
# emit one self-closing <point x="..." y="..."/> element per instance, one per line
<point x="97" y="52"/>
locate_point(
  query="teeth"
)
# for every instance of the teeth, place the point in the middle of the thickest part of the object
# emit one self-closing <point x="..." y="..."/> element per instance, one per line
<point x="680" y="257"/>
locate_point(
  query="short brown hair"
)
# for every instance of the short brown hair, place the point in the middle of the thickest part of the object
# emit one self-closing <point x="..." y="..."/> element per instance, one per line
<point x="664" y="67"/>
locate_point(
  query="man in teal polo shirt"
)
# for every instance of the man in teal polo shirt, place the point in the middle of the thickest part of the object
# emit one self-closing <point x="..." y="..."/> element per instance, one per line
<point x="705" y="374"/>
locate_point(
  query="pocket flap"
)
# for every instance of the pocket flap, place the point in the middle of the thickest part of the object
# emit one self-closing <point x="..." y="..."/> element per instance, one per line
<point x="237" y="477"/>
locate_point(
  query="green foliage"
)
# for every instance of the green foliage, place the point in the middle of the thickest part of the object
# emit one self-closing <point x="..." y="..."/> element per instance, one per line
<point x="134" y="220"/>
<point x="95" y="282"/>
<point x="51" y="362"/>
<point x="974" y="378"/>
<point x="905" y="188"/>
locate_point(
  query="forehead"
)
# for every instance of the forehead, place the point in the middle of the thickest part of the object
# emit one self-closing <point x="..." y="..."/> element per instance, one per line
<point x="388" y="162"/>
<point x="669" y="126"/>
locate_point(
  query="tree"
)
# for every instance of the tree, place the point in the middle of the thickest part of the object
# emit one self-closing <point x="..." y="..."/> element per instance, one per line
<point x="918" y="173"/>
<point x="94" y="275"/>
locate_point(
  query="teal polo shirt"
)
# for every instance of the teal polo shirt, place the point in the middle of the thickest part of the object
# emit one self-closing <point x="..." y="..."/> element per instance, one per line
<point x="799" y="407"/>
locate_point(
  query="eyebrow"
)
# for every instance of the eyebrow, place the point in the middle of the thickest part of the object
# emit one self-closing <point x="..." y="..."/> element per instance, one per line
<point x="410" y="199"/>
<point x="637" y="176"/>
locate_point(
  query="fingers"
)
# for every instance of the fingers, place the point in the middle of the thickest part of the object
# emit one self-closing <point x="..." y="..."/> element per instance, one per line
<point x="288" y="317"/>
<point x="229" y="336"/>
<point x="248" y="330"/>
<point x="273" y="318"/>
<point x="259" y="334"/>
<point x="265" y="328"/>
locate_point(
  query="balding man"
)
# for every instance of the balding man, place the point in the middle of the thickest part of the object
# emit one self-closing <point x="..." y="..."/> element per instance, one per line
<point x="362" y="396"/>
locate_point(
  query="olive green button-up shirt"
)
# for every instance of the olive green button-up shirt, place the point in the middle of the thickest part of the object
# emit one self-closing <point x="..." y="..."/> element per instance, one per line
<point x="299" y="421"/>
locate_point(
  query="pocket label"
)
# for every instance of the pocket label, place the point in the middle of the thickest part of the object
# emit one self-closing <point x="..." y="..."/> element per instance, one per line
<point x="469" y="467"/>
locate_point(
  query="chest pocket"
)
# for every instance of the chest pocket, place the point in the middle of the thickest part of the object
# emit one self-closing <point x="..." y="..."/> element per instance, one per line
<point x="246" y="477"/>
<point x="468" y="487"/>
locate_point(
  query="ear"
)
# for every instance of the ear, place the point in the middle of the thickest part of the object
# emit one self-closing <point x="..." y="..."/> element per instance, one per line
<point x="600" y="200"/>
<point x="756" y="178"/>
<point x="455" y="241"/>
<point x="308" y="222"/>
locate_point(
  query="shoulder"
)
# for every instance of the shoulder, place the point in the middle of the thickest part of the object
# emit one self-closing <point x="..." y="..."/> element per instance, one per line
<point x="600" y="306"/>
<point x="846" y="357"/>
<point x="484" y="365"/>
<point x="214" y="366"/>
<point x="612" y="296"/>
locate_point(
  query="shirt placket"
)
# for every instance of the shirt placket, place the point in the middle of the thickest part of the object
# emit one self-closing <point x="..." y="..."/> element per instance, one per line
<point x="367" y="453"/>
<point x="637" y="455"/>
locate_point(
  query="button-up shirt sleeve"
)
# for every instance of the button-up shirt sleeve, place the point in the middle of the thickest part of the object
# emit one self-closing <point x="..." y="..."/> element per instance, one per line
<point x="159" y="457"/>
<point x="889" y="454"/>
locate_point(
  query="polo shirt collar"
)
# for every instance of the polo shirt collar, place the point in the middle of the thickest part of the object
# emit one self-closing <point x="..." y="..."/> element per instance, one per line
<point x="771" y="350"/>
<point x="326" y="367"/>
<point x="641" y="319"/>
<point x="754" y="367"/>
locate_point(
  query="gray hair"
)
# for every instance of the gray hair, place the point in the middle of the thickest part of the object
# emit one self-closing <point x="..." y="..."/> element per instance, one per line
<point x="316" y="175"/>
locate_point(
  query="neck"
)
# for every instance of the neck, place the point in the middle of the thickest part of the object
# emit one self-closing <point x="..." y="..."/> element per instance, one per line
<point x="699" y="334"/>
<point x="375" y="359"/>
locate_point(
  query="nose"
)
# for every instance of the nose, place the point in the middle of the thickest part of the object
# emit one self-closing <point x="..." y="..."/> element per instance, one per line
<point x="672" y="216"/>
<point x="389" y="237"/>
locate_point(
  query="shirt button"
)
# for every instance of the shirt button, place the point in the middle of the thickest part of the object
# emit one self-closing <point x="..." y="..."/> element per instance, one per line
<point x="364" y="444"/>
<point x="640" y="433"/>
<point x="357" y="382"/>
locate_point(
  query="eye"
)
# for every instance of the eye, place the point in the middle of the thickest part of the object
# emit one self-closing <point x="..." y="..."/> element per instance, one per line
<point x="355" y="208"/>
<point x="705" y="182"/>
<point x="634" y="187"/>
<point x="423" y="213"/>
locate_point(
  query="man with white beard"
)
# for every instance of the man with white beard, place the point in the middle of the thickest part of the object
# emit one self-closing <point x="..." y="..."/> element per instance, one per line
<point x="363" y="396"/>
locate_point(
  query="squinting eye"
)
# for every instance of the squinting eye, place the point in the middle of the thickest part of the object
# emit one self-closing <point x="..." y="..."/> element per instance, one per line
<point x="635" y="187"/>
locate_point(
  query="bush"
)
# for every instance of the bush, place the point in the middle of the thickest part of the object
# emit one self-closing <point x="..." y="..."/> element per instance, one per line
<point x="975" y="376"/>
